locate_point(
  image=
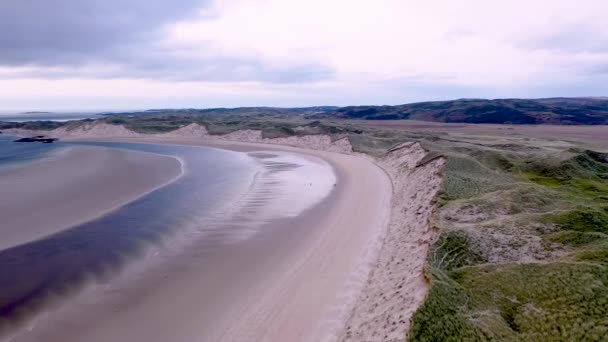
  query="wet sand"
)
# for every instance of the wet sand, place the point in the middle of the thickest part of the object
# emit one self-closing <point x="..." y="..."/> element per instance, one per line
<point x="295" y="281"/>
<point x="73" y="186"/>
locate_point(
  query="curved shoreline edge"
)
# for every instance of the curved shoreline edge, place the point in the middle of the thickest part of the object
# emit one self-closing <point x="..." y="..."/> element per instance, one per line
<point x="393" y="270"/>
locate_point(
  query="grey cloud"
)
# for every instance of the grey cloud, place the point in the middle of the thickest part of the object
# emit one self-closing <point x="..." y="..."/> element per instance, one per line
<point x="600" y="68"/>
<point x="74" y="31"/>
<point x="221" y="68"/>
<point x="119" y="39"/>
<point x="570" y="38"/>
<point x="216" y="69"/>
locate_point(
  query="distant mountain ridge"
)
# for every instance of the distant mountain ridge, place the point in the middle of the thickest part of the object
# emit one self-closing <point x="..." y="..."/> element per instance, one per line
<point x="556" y="111"/>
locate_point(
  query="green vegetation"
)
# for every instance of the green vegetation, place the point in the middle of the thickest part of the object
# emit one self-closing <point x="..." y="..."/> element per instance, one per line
<point x="576" y="239"/>
<point x="441" y="317"/>
<point x="467" y="177"/>
<point x="527" y="302"/>
<point x="523" y="249"/>
<point x="152" y="123"/>
<point x="454" y="250"/>
<point x="272" y="125"/>
<point x="537" y="302"/>
<point x="583" y="219"/>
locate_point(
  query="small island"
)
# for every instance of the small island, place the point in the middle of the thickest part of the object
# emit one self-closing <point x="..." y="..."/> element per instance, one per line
<point x="38" y="138"/>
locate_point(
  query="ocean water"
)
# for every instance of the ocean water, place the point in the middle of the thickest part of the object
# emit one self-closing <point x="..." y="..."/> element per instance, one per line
<point x="41" y="116"/>
<point x="13" y="153"/>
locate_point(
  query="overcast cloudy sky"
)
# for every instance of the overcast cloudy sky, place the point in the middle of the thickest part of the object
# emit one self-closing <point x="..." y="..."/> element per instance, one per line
<point x="129" y="54"/>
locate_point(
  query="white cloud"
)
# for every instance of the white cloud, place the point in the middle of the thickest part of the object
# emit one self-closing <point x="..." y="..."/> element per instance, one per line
<point x="383" y="51"/>
<point x="384" y="39"/>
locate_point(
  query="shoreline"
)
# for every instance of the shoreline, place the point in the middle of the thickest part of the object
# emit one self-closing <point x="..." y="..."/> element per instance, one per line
<point x="53" y="186"/>
<point x="306" y="285"/>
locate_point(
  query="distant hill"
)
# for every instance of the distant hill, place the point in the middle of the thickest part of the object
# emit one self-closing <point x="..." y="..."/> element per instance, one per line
<point x="238" y="111"/>
<point x="553" y="111"/>
<point x="36" y="112"/>
<point x="556" y="111"/>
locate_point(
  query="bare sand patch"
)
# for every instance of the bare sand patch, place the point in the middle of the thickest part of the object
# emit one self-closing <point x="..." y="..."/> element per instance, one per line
<point x="397" y="286"/>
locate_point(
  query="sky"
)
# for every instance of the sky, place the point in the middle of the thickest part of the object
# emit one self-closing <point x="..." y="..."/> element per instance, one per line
<point x="138" y="54"/>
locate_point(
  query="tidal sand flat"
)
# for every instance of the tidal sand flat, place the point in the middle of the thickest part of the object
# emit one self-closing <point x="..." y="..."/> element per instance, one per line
<point x="72" y="185"/>
<point x="48" y="271"/>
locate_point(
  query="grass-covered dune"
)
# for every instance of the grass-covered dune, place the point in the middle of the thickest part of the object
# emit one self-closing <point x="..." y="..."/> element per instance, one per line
<point x="523" y="247"/>
<point x="271" y="125"/>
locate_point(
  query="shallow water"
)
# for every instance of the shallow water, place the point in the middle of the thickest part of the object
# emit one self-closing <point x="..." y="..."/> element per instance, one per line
<point x="22" y="117"/>
<point x="14" y="153"/>
<point x="32" y="273"/>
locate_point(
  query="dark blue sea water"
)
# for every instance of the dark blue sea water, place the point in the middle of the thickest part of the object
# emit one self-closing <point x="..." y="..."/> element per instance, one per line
<point x="32" y="273"/>
<point x="12" y="153"/>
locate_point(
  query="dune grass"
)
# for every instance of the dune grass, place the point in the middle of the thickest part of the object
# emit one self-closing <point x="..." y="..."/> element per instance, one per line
<point x="556" y="197"/>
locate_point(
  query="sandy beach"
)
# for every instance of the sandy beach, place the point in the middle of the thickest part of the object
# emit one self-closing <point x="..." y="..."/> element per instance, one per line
<point x="73" y="186"/>
<point x="350" y="268"/>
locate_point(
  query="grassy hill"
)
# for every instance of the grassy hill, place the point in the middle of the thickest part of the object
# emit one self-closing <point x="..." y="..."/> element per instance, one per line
<point x="522" y="253"/>
<point x="556" y="111"/>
